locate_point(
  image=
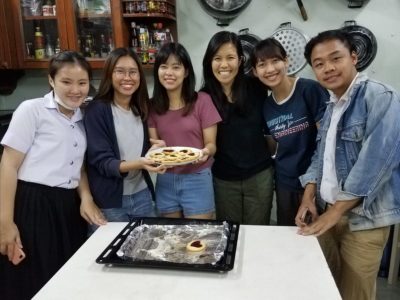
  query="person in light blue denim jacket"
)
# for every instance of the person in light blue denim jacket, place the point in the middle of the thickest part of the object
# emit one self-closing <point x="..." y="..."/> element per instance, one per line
<point x="352" y="187"/>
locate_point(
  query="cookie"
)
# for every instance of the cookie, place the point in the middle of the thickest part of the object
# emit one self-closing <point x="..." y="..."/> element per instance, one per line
<point x="195" y="246"/>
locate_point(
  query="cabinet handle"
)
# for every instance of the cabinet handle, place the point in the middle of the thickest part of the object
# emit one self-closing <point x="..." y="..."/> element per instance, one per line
<point x="4" y="65"/>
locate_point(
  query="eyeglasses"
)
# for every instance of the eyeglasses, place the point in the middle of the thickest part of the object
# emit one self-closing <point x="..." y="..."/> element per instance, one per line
<point x="121" y="73"/>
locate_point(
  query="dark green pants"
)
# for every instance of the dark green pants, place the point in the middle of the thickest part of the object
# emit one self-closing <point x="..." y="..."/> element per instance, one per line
<point x="245" y="201"/>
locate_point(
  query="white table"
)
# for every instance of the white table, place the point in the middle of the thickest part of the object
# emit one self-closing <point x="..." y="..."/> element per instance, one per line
<point x="271" y="263"/>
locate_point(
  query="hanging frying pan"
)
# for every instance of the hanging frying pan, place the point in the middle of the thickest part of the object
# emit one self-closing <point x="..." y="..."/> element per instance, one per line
<point x="294" y="42"/>
<point x="365" y="43"/>
<point x="248" y="41"/>
<point x="224" y="10"/>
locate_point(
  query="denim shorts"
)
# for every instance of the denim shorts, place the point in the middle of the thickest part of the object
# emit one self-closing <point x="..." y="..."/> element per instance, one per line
<point x="193" y="194"/>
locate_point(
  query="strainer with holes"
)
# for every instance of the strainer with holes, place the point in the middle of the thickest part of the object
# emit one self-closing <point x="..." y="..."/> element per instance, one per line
<point x="294" y="42"/>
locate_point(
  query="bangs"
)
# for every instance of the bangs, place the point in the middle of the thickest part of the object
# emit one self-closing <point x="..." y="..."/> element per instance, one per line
<point x="268" y="53"/>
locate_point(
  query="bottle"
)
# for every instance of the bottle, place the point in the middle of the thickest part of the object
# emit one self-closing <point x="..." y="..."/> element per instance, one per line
<point x="47" y="9"/>
<point x="135" y="41"/>
<point x="87" y="50"/>
<point x="110" y="43"/>
<point x="129" y="7"/>
<point x="162" y="8"/>
<point x="144" y="6"/>
<point x="152" y="50"/>
<point x="168" y="36"/>
<point x="39" y="44"/>
<point x="151" y="6"/>
<point x="144" y="44"/>
<point x="57" y="48"/>
<point x="103" y="46"/>
<point x="49" y="51"/>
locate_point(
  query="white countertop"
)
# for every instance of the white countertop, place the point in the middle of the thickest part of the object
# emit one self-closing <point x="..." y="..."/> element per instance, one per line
<point x="271" y="263"/>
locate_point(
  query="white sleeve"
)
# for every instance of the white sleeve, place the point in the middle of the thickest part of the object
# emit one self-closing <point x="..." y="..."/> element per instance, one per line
<point x="22" y="128"/>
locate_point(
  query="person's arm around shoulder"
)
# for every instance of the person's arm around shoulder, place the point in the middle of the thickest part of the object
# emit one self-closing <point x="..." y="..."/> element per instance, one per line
<point x="9" y="234"/>
<point x="88" y="209"/>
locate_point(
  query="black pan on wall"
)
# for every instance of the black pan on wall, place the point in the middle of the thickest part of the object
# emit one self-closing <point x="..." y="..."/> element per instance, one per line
<point x="224" y="10"/>
<point x="248" y="42"/>
<point x="365" y="43"/>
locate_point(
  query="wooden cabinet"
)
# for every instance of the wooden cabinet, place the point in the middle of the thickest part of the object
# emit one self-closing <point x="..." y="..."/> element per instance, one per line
<point x="92" y="27"/>
<point x="8" y="57"/>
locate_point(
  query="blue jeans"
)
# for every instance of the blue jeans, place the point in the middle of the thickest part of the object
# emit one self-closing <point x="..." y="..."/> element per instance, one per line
<point x="193" y="194"/>
<point x="136" y="205"/>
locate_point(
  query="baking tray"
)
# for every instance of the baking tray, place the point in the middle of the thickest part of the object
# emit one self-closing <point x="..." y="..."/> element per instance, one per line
<point x="110" y="258"/>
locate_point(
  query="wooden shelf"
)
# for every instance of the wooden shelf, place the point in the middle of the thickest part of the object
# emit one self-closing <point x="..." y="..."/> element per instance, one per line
<point x="149" y="15"/>
<point x="33" y="18"/>
<point x="94" y="15"/>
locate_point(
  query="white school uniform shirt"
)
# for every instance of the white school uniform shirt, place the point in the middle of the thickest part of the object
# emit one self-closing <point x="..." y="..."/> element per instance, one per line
<point x="54" y="145"/>
<point x="329" y="182"/>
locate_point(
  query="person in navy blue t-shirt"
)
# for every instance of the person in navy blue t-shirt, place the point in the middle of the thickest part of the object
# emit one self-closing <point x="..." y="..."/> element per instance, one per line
<point x="291" y="112"/>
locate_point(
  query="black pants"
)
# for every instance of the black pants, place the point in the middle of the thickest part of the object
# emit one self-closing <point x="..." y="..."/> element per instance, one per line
<point x="287" y="202"/>
<point x="51" y="230"/>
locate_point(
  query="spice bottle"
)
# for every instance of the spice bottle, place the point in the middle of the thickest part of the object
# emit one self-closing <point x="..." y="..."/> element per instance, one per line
<point x="39" y="44"/>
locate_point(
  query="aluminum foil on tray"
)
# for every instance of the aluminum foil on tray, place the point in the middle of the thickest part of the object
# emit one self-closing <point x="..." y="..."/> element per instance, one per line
<point x="168" y="243"/>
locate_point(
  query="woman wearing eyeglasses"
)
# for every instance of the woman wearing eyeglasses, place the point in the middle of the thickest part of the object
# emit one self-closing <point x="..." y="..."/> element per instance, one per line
<point x="118" y="138"/>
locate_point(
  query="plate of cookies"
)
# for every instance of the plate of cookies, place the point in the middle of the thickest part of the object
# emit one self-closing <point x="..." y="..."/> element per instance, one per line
<point x="174" y="156"/>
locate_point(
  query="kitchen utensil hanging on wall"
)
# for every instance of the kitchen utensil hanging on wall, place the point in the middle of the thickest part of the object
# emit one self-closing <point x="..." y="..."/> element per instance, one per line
<point x="224" y="10"/>
<point x="294" y="42"/>
<point x="365" y="43"/>
<point x="302" y="10"/>
<point x="248" y="41"/>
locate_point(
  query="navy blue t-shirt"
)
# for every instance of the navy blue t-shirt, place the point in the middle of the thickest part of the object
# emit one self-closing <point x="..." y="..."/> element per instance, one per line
<point x="293" y="126"/>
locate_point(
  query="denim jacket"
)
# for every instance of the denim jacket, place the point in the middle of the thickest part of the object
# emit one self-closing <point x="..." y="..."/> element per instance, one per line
<point x="367" y="155"/>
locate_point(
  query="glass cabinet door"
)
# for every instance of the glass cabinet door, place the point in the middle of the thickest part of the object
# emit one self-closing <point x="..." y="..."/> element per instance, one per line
<point x="94" y="28"/>
<point x="39" y="29"/>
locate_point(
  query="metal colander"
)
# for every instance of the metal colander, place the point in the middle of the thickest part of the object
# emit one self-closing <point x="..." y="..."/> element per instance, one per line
<point x="294" y="42"/>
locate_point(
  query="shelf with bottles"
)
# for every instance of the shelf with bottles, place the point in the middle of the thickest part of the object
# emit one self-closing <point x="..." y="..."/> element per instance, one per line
<point x="41" y="40"/>
<point x="146" y="41"/>
<point x="149" y="9"/>
<point x="95" y="44"/>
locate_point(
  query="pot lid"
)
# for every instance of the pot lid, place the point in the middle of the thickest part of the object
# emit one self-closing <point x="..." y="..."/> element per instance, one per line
<point x="364" y="42"/>
<point x="226" y="5"/>
<point x="224" y="10"/>
<point x="248" y="42"/>
<point x="294" y="42"/>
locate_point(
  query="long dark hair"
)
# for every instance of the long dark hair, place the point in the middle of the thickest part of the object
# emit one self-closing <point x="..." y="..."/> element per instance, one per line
<point x="139" y="99"/>
<point x="160" y="100"/>
<point x="212" y="86"/>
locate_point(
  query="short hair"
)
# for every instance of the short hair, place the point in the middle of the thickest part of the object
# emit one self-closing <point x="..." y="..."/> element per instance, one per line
<point x="59" y="60"/>
<point x="266" y="49"/>
<point x="329" y="35"/>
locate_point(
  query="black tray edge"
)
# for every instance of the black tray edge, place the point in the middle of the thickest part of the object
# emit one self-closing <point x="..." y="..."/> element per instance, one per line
<point x="109" y="259"/>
